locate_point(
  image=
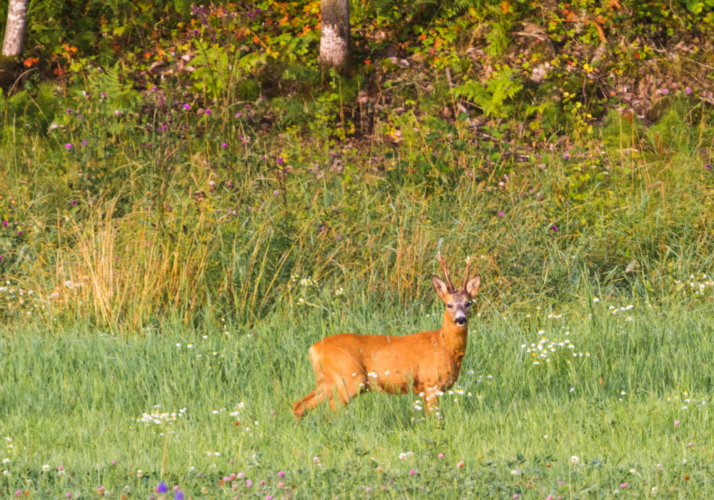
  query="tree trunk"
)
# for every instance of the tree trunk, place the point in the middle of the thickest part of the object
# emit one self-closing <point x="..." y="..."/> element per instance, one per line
<point x="12" y="45"/>
<point x="15" y="28"/>
<point x="335" y="39"/>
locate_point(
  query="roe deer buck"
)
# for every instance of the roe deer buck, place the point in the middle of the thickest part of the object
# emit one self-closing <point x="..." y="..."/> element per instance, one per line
<point x="347" y="364"/>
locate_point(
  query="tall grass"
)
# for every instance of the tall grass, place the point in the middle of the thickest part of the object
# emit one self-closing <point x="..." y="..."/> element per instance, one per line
<point x="205" y="222"/>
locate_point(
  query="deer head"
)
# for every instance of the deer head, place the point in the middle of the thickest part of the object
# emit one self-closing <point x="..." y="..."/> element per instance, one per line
<point x="458" y="302"/>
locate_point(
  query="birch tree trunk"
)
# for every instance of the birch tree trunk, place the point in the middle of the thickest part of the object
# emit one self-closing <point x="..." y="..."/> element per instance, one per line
<point x="335" y="37"/>
<point x="12" y="45"/>
<point x="15" y="28"/>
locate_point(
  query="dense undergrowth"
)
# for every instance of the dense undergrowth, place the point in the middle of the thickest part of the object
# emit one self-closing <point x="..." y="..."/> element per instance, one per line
<point x="169" y="159"/>
<point x="162" y="159"/>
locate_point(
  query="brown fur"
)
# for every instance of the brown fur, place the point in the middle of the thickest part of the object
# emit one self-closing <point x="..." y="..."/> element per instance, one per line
<point x="430" y="362"/>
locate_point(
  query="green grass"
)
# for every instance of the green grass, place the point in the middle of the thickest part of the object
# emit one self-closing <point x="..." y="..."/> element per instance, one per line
<point x="70" y="396"/>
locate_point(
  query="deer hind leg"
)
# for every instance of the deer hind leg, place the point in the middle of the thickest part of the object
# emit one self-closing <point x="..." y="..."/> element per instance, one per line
<point x="312" y="400"/>
<point x="347" y="388"/>
<point x="324" y="392"/>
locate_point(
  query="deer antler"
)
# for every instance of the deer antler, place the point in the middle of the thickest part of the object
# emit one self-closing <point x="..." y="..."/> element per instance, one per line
<point x="468" y="266"/>
<point x="446" y="273"/>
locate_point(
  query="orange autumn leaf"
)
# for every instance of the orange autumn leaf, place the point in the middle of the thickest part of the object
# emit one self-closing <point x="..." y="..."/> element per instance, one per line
<point x="30" y="61"/>
<point x="256" y="39"/>
<point x="505" y="7"/>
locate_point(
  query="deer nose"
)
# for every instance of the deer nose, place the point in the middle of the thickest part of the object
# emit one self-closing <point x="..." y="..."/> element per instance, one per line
<point x="461" y="320"/>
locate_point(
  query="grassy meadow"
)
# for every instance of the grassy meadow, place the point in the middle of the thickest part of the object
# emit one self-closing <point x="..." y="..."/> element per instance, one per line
<point x="624" y="413"/>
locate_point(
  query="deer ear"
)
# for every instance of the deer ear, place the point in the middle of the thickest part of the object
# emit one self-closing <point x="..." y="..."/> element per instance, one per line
<point x="439" y="287"/>
<point x="473" y="285"/>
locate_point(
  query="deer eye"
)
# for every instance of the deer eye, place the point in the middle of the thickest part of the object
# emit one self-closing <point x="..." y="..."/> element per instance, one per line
<point x="468" y="304"/>
<point x="449" y="306"/>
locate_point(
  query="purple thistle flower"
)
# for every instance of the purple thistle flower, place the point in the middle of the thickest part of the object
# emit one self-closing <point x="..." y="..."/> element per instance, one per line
<point x="281" y="474"/>
<point x="688" y="90"/>
<point x="178" y="495"/>
<point x="224" y="145"/>
<point x="208" y="111"/>
<point x="162" y="488"/>
<point x="104" y="95"/>
<point x="280" y="161"/>
<point x="566" y="156"/>
<point x="238" y="115"/>
<point x="84" y="142"/>
<point x="68" y="146"/>
<point x="623" y="485"/>
<point x="74" y="202"/>
<point x="554" y="228"/>
<point x="708" y="166"/>
<point x="69" y="110"/>
<point x="186" y="106"/>
<point x="500" y="214"/>
<point x="117" y="112"/>
<point x="248" y="483"/>
<point x="276" y="192"/>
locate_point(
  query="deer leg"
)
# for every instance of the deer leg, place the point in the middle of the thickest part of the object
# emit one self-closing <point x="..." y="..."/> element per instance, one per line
<point x="305" y="404"/>
<point x="347" y="389"/>
<point x="312" y="400"/>
<point x="431" y="400"/>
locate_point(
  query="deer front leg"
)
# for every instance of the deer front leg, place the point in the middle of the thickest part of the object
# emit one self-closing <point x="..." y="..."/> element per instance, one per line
<point x="431" y="399"/>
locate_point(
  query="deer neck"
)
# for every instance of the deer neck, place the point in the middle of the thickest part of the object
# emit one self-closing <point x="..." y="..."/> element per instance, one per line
<point x="454" y="335"/>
